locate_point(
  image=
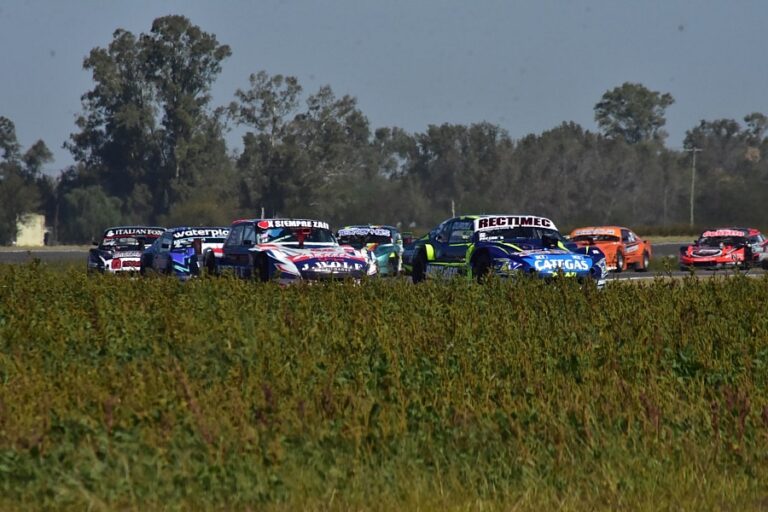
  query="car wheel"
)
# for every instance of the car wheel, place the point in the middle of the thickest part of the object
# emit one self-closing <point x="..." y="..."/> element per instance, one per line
<point x="419" y="272"/>
<point x="619" y="262"/>
<point x="481" y="266"/>
<point x="261" y="268"/>
<point x="210" y="265"/>
<point x="394" y="266"/>
<point x="169" y="267"/>
<point x="643" y="266"/>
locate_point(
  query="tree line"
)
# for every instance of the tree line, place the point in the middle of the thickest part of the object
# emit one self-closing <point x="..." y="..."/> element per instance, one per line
<point x="149" y="147"/>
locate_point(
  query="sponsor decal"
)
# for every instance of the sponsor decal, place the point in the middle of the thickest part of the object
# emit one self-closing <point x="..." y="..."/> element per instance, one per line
<point x="723" y="232"/>
<point x="365" y="231"/>
<point x="595" y="231"/>
<point x="513" y="222"/>
<point x="566" y="265"/>
<point x="202" y="233"/>
<point x="133" y="232"/>
<point x="332" y="266"/>
<point x="632" y="248"/>
<point x="292" y="223"/>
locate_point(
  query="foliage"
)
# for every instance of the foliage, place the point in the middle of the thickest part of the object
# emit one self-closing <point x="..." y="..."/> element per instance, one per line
<point x="20" y="179"/>
<point x="222" y="394"/>
<point x="633" y="112"/>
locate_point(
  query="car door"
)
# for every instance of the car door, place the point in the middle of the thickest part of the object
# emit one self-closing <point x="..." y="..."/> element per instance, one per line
<point x="160" y="261"/>
<point x="232" y="251"/>
<point x="632" y="253"/>
<point x="459" y="239"/>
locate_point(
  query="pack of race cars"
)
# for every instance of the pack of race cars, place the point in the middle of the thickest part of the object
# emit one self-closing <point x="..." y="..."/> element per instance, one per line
<point x="475" y="246"/>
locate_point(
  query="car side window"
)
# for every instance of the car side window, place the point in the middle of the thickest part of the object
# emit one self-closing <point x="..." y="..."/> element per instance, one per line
<point x="625" y="235"/>
<point x="442" y="231"/>
<point x="461" y="232"/>
<point x="249" y="234"/>
<point x="165" y="242"/>
<point x="235" y="236"/>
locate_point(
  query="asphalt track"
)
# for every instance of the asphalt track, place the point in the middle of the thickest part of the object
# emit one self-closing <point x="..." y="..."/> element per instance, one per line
<point x="79" y="255"/>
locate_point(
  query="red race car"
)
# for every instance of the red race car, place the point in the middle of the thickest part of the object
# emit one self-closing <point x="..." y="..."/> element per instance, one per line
<point x="725" y="247"/>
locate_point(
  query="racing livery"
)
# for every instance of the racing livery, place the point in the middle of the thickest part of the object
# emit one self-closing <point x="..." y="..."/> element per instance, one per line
<point x="290" y="250"/>
<point x="504" y="245"/>
<point x="121" y="248"/>
<point x="383" y="244"/>
<point x="184" y="251"/>
<point x="726" y="247"/>
<point x="621" y="246"/>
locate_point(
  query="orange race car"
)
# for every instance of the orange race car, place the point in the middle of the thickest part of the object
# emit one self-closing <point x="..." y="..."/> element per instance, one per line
<point x="621" y="246"/>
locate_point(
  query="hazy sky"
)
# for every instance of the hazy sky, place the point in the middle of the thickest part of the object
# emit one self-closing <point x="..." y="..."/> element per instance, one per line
<point x="524" y="65"/>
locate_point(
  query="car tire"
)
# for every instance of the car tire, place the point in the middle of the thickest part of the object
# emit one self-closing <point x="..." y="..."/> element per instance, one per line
<point x="169" y="267"/>
<point x="419" y="270"/>
<point x="261" y="268"/>
<point x="394" y="266"/>
<point x="481" y="267"/>
<point x="619" y="262"/>
<point x="643" y="265"/>
<point x="210" y="265"/>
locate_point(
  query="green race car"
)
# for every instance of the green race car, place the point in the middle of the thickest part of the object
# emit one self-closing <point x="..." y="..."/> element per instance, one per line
<point x="383" y="244"/>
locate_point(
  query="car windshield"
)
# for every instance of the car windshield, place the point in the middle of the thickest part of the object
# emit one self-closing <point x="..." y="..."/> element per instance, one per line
<point x="595" y="238"/>
<point x="517" y="233"/>
<point x="290" y="236"/>
<point x="125" y="243"/>
<point x="360" y="241"/>
<point x="715" y="241"/>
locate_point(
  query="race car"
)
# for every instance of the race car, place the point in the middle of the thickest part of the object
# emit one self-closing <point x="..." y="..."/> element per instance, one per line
<point x="184" y="251"/>
<point x="504" y="245"/>
<point x="383" y="244"/>
<point x="621" y="246"/>
<point x="726" y="247"/>
<point x="290" y="251"/>
<point x="121" y="247"/>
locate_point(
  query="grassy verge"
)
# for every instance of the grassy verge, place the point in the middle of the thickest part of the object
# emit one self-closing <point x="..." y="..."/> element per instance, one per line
<point x="220" y="394"/>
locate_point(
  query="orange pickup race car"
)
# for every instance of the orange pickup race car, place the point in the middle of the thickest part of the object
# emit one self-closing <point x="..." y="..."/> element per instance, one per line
<point x="621" y="246"/>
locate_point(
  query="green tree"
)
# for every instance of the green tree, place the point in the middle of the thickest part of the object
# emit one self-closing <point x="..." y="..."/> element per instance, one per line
<point x="19" y="177"/>
<point x="147" y="134"/>
<point x="633" y="112"/>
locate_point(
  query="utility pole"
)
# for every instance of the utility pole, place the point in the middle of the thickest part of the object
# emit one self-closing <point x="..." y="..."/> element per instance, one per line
<point x="693" y="150"/>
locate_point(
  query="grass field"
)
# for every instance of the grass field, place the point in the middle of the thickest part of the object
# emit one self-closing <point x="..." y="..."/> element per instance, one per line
<point x="127" y="394"/>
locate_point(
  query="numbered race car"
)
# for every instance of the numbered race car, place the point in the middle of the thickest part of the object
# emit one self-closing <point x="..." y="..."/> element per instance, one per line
<point x="121" y="248"/>
<point x="507" y="246"/>
<point x="184" y="251"/>
<point x="289" y="251"/>
<point x="726" y="247"/>
<point x="621" y="246"/>
<point x="383" y="244"/>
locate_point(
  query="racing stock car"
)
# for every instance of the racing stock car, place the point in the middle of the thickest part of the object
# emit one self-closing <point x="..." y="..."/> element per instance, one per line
<point x="121" y="247"/>
<point x="507" y="246"/>
<point x="383" y="244"/>
<point x="290" y="250"/>
<point x="621" y="246"/>
<point x="184" y="251"/>
<point x="726" y="247"/>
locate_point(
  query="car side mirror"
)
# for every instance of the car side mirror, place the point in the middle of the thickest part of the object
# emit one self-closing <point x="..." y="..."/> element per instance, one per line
<point x="247" y="243"/>
<point x="439" y="238"/>
<point x="165" y="246"/>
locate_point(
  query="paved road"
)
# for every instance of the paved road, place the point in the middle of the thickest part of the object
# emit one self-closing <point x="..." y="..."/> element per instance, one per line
<point x="49" y="256"/>
<point x="79" y="255"/>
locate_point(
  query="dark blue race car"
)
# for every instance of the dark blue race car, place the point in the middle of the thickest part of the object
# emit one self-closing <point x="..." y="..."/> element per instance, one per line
<point x="504" y="245"/>
<point x="184" y="251"/>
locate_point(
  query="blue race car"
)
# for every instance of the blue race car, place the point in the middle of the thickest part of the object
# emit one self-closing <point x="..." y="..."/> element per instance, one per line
<point x="383" y="244"/>
<point x="504" y="245"/>
<point x="184" y="251"/>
